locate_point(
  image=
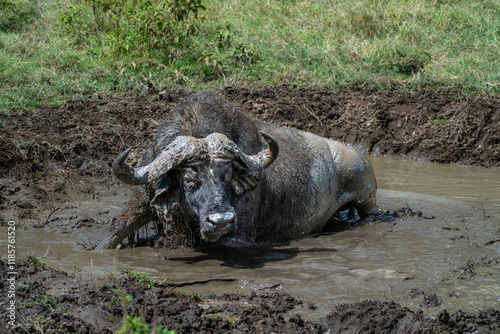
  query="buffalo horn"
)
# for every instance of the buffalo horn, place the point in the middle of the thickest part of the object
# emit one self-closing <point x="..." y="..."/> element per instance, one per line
<point x="264" y="158"/>
<point x="122" y="170"/>
<point x="178" y="152"/>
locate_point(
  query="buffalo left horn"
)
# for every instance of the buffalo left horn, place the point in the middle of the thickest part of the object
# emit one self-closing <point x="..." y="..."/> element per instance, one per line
<point x="180" y="151"/>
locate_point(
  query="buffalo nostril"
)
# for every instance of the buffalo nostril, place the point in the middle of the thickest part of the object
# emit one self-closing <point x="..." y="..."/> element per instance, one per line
<point x="221" y="218"/>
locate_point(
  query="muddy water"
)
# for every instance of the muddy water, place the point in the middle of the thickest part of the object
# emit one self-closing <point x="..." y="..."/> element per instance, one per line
<point x="474" y="185"/>
<point x="450" y="249"/>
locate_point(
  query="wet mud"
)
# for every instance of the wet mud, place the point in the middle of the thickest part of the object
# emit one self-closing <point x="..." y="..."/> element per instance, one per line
<point x="55" y="183"/>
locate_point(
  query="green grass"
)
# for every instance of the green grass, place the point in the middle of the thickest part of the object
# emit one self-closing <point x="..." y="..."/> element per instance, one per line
<point x="36" y="262"/>
<point x="52" y="50"/>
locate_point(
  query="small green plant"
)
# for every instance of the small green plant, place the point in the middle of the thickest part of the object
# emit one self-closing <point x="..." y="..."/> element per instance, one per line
<point x="56" y="149"/>
<point x="76" y="270"/>
<point x="141" y="277"/>
<point x="36" y="262"/>
<point x="196" y="297"/>
<point x="224" y="35"/>
<point x="134" y="324"/>
<point x="118" y="293"/>
<point x="26" y="144"/>
<point x="124" y="302"/>
<point x="45" y="300"/>
<point x="223" y="55"/>
<point x="75" y="22"/>
<point x="403" y="59"/>
<point x="439" y="121"/>
<point x="238" y="51"/>
<point x="26" y="305"/>
<point x="242" y="54"/>
<point x="137" y="325"/>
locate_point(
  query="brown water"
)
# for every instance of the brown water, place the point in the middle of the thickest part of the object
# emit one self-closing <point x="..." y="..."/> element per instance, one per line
<point x="450" y="250"/>
<point x="478" y="186"/>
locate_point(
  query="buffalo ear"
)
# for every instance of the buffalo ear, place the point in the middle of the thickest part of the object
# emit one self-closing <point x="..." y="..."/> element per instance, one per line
<point x="166" y="195"/>
<point x="243" y="182"/>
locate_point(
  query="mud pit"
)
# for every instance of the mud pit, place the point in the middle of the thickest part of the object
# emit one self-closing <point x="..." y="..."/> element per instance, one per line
<point x="430" y="257"/>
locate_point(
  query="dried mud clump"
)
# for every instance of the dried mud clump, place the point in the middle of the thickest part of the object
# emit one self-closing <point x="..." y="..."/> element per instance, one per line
<point x="388" y="317"/>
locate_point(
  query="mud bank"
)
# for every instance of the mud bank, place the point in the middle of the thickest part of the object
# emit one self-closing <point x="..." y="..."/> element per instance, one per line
<point x="55" y="162"/>
<point x="51" y="301"/>
<point x="437" y="126"/>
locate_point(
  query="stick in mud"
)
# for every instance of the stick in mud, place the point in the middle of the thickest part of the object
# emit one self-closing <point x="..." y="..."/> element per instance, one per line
<point x="50" y="214"/>
<point x="484" y="212"/>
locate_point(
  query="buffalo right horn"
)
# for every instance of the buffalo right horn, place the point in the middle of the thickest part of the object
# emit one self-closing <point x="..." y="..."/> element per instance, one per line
<point x="264" y="158"/>
<point x="122" y="170"/>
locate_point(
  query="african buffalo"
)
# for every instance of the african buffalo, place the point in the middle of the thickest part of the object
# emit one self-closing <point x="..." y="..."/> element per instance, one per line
<point x="214" y="174"/>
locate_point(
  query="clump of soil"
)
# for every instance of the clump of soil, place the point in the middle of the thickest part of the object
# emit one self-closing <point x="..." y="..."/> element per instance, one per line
<point x="388" y="317"/>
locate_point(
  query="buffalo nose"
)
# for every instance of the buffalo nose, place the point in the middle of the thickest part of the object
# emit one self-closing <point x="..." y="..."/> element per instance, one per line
<point x="221" y="218"/>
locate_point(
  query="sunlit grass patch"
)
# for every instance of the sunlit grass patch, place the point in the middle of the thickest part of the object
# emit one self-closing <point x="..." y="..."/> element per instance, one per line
<point x="57" y="50"/>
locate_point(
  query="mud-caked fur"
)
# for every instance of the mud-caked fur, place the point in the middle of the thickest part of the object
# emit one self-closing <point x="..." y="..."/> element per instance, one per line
<point x="311" y="179"/>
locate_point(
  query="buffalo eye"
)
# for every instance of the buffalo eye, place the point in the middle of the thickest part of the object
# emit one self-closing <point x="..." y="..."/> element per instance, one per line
<point x="190" y="182"/>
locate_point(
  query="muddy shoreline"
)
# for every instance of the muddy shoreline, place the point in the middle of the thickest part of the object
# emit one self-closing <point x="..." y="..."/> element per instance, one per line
<point x="52" y="301"/>
<point x="54" y="157"/>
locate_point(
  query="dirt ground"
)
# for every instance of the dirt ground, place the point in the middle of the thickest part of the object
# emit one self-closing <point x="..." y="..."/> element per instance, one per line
<point x="47" y="153"/>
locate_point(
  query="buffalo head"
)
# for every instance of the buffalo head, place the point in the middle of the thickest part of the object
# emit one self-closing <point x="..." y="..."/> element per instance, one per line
<point x="202" y="176"/>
